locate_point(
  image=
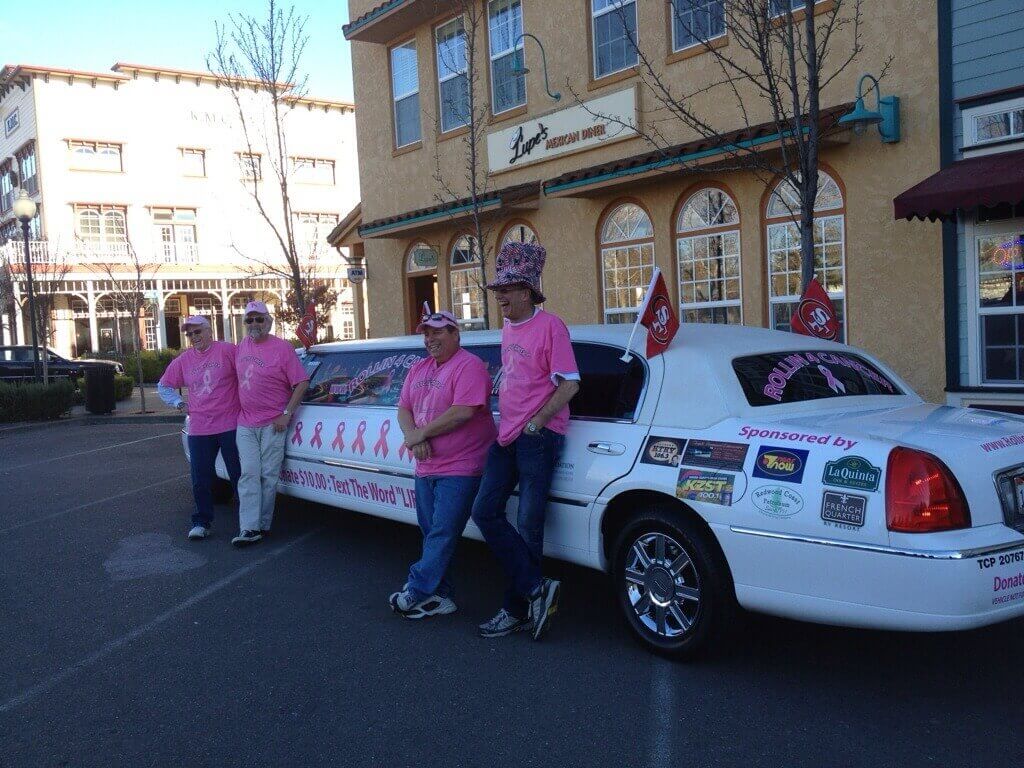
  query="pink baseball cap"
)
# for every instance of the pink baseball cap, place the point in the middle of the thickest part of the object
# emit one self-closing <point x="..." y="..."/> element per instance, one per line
<point x="256" y="306"/>
<point x="196" y="320"/>
<point x="437" y="320"/>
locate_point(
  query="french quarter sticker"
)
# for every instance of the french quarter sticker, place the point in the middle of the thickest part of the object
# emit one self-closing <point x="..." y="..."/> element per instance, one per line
<point x="843" y="510"/>
<point x="854" y="472"/>
<point x="665" y="451"/>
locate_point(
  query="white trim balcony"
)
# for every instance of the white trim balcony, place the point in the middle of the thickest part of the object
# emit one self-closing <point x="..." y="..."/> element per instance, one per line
<point x="13" y="252"/>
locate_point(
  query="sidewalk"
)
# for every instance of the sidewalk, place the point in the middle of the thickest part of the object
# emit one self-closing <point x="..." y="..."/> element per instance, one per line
<point x="126" y="412"/>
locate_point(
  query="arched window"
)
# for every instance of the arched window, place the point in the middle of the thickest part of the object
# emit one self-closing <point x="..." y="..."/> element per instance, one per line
<point x="627" y="261"/>
<point x="89" y="228"/>
<point x="783" y="234"/>
<point x="421" y="262"/>
<point x="467" y="283"/>
<point x="708" y="252"/>
<point x="519" y="232"/>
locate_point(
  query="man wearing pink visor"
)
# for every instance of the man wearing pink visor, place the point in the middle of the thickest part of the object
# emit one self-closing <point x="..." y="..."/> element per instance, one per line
<point x="444" y="414"/>
<point x="207" y="370"/>
<point x="271" y="383"/>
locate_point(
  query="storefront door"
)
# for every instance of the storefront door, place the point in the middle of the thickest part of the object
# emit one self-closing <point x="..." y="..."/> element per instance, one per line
<point x="421" y="289"/>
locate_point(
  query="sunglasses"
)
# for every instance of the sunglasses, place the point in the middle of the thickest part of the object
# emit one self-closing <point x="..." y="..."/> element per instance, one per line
<point x="257" y="320"/>
<point x="196" y="332"/>
<point x="435" y="316"/>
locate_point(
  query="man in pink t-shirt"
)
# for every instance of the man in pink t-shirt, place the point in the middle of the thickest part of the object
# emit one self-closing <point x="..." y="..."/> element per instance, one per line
<point x="445" y="416"/>
<point x="271" y="383"/>
<point x="538" y="379"/>
<point x="207" y="370"/>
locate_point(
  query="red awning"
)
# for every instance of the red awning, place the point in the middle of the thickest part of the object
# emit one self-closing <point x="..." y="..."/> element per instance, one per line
<point x="989" y="180"/>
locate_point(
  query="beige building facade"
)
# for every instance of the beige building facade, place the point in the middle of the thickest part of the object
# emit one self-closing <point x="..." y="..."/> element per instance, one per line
<point x="607" y="203"/>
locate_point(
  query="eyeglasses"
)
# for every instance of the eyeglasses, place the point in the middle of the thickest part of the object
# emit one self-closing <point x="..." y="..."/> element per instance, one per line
<point x="257" y="320"/>
<point x="196" y="332"/>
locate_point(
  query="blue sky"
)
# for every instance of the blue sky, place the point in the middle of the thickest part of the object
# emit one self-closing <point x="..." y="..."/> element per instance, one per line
<point x="73" y="35"/>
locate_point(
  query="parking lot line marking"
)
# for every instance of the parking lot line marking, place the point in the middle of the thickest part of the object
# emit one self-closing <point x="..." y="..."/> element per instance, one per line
<point x="44" y="518"/>
<point x="91" y="450"/>
<point x="114" y="645"/>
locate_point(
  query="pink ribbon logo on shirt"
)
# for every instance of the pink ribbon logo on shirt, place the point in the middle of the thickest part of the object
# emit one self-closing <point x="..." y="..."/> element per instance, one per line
<point x="339" y="440"/>
<point x="297" y="437"/>
<point x="315" y="441"/>
<point x="247" y="378"/>
<point x="381" y="446"/>
<point x="207" y="387"/>
<point x="358" y="444"/>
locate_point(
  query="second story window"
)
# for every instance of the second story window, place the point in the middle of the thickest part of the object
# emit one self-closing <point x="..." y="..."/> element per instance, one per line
<point x="193" y="162"/>
<point x="174" y="235"/>
<point x="26" y="158"/>
<point x="994" y="122"/>
<point x="505" y="25"/>
<point x="405" y="93"/>
<point x="452" y="83"/>
<point x="696" y="21"/>
<point x="311" y="170"/>
<point x="6" y="187"/>
<point x="95" y="156"/>
<point x="101" y="230"/>
<point x="615" y="40"/>
<point x="311" y="232"/>
<point x="250" y="166"/>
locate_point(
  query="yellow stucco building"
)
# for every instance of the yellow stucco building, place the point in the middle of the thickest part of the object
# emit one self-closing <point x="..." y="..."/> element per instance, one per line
<point x="606" y="202"/>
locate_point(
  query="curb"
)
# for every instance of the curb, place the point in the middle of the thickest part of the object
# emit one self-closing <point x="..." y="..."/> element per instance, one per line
<point x="92" y="421"/>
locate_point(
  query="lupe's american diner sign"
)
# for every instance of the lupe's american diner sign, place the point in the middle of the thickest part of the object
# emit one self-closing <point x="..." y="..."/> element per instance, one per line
<point x="584" y="126"/>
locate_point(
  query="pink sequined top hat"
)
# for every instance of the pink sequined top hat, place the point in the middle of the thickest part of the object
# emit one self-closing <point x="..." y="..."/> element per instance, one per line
<point x="520" y="264"/>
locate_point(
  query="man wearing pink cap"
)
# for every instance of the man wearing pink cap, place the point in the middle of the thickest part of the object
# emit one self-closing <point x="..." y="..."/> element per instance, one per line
<point x="538" y="379"/>
<point x="444" y="414"/>
<point x="271" y="383"/>
<point x="207" y="369"/>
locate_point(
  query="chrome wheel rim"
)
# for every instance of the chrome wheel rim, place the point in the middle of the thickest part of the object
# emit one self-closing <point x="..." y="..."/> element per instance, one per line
<point x="662" y="585"/>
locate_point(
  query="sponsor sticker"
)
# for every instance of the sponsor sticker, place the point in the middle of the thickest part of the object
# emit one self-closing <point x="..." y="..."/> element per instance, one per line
<point x="663" y="450"/>
<point x="709" y="487"/>
<point x="716" y="455"/>
<point x="852" y="472"/>
<point x="777" y="501"/>
<point x="785" y="464"/>
<point x="843" y="510"/>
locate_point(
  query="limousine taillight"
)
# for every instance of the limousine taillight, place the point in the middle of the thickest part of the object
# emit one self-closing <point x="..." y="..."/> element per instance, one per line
<point x="922" y="495"/>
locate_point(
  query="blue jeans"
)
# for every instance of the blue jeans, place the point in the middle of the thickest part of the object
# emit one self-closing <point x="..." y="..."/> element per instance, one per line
<point x="442" y="507"/>
<point x="202" y="449"/>
<point x="530" y="461"/>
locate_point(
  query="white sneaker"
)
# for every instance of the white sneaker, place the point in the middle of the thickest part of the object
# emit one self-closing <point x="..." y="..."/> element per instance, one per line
<point x="198" y="532"/>
<point x="404" y="604"/>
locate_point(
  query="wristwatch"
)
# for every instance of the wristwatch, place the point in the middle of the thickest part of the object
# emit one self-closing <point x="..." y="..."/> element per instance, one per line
<point x="531" y="428"/>
<point x="286" y="412"/>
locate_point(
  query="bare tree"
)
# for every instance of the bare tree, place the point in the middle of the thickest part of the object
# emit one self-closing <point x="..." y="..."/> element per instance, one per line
<point x="48" y="280"/>
<point x="129" y="297"/>
<point x="259" y="60"/>
<point x="7" y="306"/>
<point x="464" y="57"/>
<point x="774" y="70"/>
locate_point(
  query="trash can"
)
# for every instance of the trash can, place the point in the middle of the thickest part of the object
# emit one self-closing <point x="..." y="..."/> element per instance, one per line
<point x="99" y="389"/>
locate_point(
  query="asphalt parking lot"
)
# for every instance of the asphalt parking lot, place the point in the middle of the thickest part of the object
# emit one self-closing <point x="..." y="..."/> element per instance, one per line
<point x="123" y="644"/>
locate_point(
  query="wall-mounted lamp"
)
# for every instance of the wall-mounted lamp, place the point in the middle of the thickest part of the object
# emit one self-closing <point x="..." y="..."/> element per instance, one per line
<point x="517" y="70"/>
<point x="886" y="114"/>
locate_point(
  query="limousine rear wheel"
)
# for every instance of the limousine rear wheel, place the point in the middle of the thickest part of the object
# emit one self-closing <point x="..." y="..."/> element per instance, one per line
<point x="671" y="582"/>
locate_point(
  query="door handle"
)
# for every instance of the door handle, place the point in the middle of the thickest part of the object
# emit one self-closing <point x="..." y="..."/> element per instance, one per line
<point x="608" y="449"/>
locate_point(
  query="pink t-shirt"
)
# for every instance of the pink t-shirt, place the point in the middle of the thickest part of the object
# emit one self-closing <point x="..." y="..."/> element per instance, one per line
<point x="212" y="387"/>
<point x="430" y="390"/>
<point x="532" y="352"/>
<point x="267" y="373"/>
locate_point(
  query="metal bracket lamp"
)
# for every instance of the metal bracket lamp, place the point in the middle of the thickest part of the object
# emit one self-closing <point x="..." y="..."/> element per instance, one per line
<point x="886" y="114"/>
<point x="523" y="70"/>
<point x="25" y="210"/>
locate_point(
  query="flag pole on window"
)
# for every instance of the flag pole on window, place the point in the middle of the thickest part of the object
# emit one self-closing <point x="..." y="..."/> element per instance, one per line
<point x="639" y="315"/>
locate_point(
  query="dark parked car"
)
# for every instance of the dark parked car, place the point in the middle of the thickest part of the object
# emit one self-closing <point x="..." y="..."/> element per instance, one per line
<point x="16" y="364"/>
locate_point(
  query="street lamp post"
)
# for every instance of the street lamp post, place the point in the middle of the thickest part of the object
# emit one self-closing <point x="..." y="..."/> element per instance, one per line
<point x="25" y="211"/>
<point x="523" y="70"/>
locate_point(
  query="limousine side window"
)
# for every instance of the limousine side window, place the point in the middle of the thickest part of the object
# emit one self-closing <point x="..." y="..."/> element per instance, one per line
<point x="363" y="377"/>
<point x="609" y="388"/>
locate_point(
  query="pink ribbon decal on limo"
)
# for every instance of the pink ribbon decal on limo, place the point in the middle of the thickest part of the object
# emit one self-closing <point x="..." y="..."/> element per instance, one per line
<point x="404" y="453"/>
<point x="358" y="444"/>
<point x="315" y="441"/>
<point x="297" y="437"/>
<point x="381" y="446"/>
<point x="339" y="440"/>
<point x="833" y="383"/>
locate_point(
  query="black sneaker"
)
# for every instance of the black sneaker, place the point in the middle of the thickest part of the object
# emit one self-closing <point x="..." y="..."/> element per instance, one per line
<point x="544" y="605"/>
<point x="265" y="532"/>
<point x="245" y="538"/>
<point x="503" y="623"/>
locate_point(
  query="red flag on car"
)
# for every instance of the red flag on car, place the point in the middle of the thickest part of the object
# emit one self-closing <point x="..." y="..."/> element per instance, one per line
<point x="657" y="316"/>
<point x="306" y="330"/>
<point x="815" y="315"/>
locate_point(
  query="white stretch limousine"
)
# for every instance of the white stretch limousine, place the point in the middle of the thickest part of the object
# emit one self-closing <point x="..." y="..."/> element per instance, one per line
<point x="744" y="466"/>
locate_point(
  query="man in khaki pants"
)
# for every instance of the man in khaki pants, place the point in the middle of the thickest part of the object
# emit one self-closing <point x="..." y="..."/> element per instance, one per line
<point x="271" y="383"/>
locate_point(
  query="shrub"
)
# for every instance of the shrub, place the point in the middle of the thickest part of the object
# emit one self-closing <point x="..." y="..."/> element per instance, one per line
<point x="123" y="386"/>
<point x="35" y="402"/>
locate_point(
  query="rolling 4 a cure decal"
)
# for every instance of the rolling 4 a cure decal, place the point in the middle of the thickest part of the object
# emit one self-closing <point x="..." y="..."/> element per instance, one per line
<point x="785" y="464"/>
